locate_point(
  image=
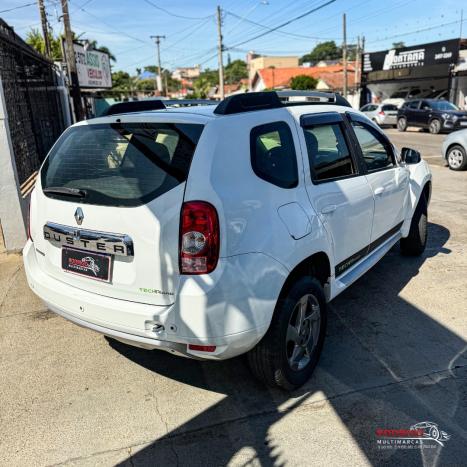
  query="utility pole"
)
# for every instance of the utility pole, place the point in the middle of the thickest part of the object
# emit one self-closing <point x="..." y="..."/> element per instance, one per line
<point x="344" y="54"/>
<point x="219" y="51"/>
<point x="159" y="68"/>
<point x="71" y="64"/>
<point x="357" y="64"/>
<point x="45" y="31"/>
<point x="462" y="20"/>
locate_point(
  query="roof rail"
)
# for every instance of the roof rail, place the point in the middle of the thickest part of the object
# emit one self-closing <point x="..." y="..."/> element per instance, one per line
<point x="153" y="104"/>
<point x="264" y="100"/>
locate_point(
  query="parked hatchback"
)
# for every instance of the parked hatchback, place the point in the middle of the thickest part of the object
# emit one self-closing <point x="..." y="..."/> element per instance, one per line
<point x="432" y="114"/>
<point x="381" y="114"/>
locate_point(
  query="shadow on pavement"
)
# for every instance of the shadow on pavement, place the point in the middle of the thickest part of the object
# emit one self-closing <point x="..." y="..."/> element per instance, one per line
<point x="385" y="364"/>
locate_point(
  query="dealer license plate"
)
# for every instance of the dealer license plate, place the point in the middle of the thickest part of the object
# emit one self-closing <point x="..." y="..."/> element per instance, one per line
<point x="86" y="263"/>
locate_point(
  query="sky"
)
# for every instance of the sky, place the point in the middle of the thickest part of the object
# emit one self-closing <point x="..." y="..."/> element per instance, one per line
<point x="125" y="26"/>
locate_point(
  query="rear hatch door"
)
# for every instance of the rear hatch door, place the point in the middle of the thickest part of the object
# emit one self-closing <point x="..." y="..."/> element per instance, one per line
<point x="108" y="203"/>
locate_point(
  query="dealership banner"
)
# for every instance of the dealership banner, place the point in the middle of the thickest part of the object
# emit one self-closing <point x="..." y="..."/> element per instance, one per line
<point x="435" y="53"/>
<point x="93" y="68"/>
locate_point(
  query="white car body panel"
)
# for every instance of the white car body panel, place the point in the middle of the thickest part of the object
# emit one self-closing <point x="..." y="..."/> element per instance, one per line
<point x="265" y="233"/>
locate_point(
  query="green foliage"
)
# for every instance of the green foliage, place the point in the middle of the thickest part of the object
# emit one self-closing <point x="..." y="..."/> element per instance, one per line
<point x="398" y="45"/>
<point x="303" y="82"/>
<point x="323" y="51"/>
<point x="121" y="81"/>
<point x="36" y="41"/>
<point x="329" y="51"/>
<point x="201" y="87"/>
<point x="151" y="69"/>
<point x="146" y="85"/>
<point x="93" y="45"/>
<point x="235" y="71"/>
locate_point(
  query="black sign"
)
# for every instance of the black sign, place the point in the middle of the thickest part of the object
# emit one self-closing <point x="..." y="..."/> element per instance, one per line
<point x="87" y="264"/>
<point x="435" y="53"/>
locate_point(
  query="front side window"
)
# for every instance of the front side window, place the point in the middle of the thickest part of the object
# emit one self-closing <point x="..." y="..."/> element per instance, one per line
<point x="376" y="152"/>
<point x="328" y="152"/>
<point x="273" y="155"/>
<point x="120" y="164"/>
<point x="444" y="105"/>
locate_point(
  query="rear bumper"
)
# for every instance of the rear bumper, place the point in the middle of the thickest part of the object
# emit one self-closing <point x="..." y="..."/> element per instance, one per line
<point x="230" y="309"/>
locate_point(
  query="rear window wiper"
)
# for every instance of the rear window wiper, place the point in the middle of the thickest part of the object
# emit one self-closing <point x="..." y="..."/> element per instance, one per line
<point x="63" y="190"/>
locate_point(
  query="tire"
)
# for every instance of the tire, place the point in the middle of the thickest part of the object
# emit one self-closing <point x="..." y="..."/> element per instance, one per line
<point x="457" y="158"/>
<point x="402" y="124"/>
<point x="272" y="360"/>
<point x="414" y="244"/>
<point x="435" y="126"/>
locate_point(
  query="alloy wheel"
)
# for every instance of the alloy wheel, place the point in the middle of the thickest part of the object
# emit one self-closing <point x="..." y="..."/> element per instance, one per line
<point x="435" y="126"/>
<point x="455" y="158"/>
<point x="303" y="332"/>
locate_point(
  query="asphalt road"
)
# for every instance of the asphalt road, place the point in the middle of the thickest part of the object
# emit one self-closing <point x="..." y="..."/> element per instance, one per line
<point x="395" y="355"/>
<point x="429" y="145"/>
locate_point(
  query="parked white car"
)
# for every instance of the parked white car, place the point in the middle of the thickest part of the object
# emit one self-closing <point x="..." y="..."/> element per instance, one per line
<point x="210" y="232"/>
<point x="381" y="114"/>
<point x="455" y="150"/>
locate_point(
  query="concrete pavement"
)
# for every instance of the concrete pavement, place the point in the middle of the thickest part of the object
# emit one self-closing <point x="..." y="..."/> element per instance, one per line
<point x="395" y="355"/>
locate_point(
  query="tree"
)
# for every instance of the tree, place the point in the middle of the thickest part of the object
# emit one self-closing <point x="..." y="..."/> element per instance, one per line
<point x="303" y="82"/>
<point x="398" y="45"/>
<point x="121" y="81"/>
<point x="36" y="41"/>
<point x="323" y="51"/>
<point x="103" y="48"/>
<point x="201" y="87"/>
<point x="235" y="71"/>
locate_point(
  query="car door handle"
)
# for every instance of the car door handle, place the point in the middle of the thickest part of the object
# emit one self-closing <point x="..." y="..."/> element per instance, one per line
<point x="379" y="191"/>
<point x="328" y="209"/>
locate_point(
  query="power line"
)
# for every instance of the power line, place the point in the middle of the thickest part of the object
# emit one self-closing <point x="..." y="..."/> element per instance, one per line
<point x="416" y="31"/>
<point x="174" y="14"/>
<point x="18" y="7"/>
<point x="309" y="12"/>
<point x="291" y="34"/>
<point x="111" y="26"/>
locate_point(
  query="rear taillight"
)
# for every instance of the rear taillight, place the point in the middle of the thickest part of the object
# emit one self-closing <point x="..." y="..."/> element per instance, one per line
<point x="199" y="238"/>
<point x="381" y="113"/>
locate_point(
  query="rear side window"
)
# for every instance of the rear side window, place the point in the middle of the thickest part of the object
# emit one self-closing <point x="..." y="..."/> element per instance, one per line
<point x="273" y="155"/>
<point x="328" y="152"/>
<point x="121" y="164"/>
<point x="389" y="107"/>
<point x="413" y="105"/>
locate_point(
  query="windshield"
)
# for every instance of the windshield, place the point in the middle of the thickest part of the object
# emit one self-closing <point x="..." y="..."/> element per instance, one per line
<point x="121" y="164"/>
<point x="443" y="105"/>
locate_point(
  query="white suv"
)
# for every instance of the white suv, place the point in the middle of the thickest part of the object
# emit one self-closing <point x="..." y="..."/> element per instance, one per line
<point x="210" y="232"/>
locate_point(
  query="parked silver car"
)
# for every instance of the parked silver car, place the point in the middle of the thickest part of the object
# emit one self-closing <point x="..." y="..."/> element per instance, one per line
<point x="455" y="150"/>
<point x="381" y="114"/>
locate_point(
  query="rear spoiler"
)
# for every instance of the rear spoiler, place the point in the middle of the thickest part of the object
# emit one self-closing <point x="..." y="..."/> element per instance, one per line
<point x="153" y="104"/>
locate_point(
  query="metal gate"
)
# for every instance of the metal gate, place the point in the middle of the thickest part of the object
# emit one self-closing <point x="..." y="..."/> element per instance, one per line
<point x="32" y="100"/>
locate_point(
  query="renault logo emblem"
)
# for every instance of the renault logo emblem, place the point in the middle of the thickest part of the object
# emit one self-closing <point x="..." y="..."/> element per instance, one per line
<point x="79" y="216"/>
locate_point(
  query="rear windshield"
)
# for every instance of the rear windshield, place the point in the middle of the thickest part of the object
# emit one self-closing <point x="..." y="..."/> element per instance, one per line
<point x="389" y="107"/>
<point x="120" y="164"/>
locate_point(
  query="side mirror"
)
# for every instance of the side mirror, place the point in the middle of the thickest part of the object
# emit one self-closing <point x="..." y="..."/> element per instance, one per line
<point x="410" y="156"/>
